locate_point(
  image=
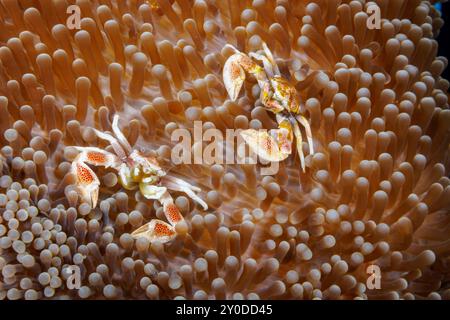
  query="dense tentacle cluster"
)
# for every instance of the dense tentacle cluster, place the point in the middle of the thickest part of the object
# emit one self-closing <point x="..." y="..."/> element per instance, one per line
<point x="376" y="190"/>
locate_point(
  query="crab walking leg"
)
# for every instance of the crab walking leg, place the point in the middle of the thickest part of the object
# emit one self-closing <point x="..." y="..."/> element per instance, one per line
<point x="284" y="134"/>
<point x="150" y="191"/>
<point x="176" y="184"/>
<point x="87" y="181"/>
<point x="123" y="141"/>
<point x="98" y="157"/>
<point x="155" y="230"/>
<point x="118" y="149"/>
<point x="307" y="127"/>
<point x="299" y="140"/>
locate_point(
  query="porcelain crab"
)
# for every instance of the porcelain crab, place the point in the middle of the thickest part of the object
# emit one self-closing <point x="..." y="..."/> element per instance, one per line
<point x="278" y="96"/>
<point x="135" y="171"/>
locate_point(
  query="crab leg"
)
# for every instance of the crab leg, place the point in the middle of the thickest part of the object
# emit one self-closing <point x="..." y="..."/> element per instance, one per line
<point x="284" y="134"/>
<point x="98" y="157"/>
<point x="307" y="127"/>
<point x="176" y="184"/>
<point x="173" y="179"/>
<point x="87" y="181"/>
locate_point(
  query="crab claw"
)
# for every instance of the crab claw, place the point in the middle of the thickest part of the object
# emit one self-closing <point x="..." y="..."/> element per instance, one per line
<point x="155" y="230"/>
<point x="87" y="181"/>
<point x="98" y="157"/>
<point x="233" y="75"/>
<point x="118" y="148"/>
<point x="265" y="146"/>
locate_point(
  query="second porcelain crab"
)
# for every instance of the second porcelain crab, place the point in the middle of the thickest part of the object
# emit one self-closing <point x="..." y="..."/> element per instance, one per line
<point x="135" y="171"/>
<point x="277" y="96"/>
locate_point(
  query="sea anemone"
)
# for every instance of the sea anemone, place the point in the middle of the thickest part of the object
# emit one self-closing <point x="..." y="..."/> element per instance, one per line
<point x="375" y="193"/>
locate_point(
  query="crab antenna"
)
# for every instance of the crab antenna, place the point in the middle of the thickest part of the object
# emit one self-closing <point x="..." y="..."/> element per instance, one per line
<point x="114" y="143"/>
<point x="120" y="136"/>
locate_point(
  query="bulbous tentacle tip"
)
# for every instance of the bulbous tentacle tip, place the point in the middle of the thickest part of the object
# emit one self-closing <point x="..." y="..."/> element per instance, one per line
<point x="155" y="230"/>
<point x="264" y="145"/>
